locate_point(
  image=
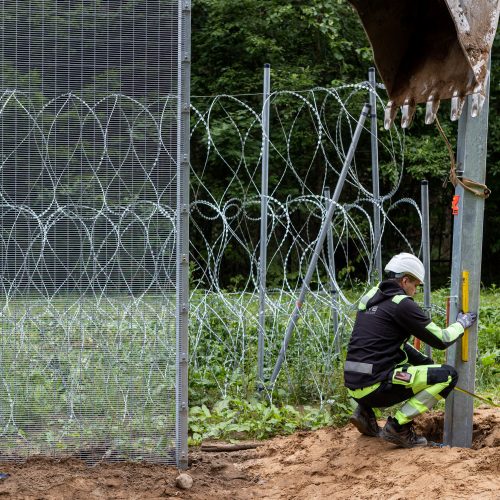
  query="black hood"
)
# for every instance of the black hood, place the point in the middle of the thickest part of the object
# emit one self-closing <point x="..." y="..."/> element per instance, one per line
<point x="386" y="290"/>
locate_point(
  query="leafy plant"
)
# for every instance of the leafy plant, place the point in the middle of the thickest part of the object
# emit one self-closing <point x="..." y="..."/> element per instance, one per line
<point x="233" y="418"/>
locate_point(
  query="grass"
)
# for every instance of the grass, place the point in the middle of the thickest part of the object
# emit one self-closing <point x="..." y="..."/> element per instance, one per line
<point x="77" y="373"/>
<point x="222" y="391"/>
<point x="80" y="373"/>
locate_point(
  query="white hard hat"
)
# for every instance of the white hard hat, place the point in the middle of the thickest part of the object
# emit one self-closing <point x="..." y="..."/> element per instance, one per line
<point x="406" y="263"/>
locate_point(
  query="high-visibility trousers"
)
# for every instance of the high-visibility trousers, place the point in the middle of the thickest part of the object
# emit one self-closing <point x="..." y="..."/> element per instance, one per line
<point x="421" y="387"/>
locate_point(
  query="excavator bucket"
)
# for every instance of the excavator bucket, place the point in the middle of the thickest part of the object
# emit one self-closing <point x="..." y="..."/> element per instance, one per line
<point x="429" y="50"/>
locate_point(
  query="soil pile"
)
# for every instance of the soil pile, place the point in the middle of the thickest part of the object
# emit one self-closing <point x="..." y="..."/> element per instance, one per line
<point x="328" y="463"/>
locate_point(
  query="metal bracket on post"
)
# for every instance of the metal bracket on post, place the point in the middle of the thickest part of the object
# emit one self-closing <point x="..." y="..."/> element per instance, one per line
<point x="319" y="243"/>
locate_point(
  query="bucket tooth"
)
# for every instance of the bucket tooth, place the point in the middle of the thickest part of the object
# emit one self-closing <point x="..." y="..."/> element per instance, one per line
<point x="457" y="104"/>
<point x="407" y="112"/>
<point x="478" y="98"/>
<point x="431" y="46"/>
<point x="390" y="114"/>
<point x="431" y="109"/>
<point x="477" y="102"/>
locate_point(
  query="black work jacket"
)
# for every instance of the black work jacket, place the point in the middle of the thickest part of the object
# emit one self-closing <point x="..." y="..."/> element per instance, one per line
<point x="386" y="319"/>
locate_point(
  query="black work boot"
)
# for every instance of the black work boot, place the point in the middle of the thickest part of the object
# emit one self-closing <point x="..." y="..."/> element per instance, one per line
<point x="402" y="435"/>
<point x="364" y="420"/>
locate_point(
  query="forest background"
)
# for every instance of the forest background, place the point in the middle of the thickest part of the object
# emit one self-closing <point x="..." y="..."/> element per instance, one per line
<point x="322" y="43"/>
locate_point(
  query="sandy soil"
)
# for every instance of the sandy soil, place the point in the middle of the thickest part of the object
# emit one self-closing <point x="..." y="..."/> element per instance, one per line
<point x="328" y="463"/>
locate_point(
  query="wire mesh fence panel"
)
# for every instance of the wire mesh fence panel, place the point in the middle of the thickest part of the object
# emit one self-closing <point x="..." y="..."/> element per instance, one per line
<point x="88" y="203"/>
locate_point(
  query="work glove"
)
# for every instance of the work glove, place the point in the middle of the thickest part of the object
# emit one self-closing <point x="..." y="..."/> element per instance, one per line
<point x="466" y="319"/>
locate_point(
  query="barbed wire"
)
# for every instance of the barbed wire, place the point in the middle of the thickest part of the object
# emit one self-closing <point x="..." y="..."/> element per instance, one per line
<point x="309" y="136"/>
<point x="87" y="256"/>
<point x="117" y="296"/>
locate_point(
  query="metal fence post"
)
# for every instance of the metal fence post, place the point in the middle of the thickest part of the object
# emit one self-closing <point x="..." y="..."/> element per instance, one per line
<point x="263" y="220"/>
<point x="319" y="243"/>
<point x="183" y="165"/>
<point x="424" y="192"/>
<point x="467" y="248"/>
<point x="331" y="276"/>
<point x="375" y="178"/>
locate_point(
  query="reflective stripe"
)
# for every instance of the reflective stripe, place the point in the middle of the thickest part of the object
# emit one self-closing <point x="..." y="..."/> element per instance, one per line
<point x="454" y="331"/>
<point x="447" y="335"/>
<point x="398" y="298"/>
<point x="364" y="300"/>
<point x="421" y="402"/>
<point x="402" y="347"/>
<point x="418" y="404"/>
<point x="410" y="412"/>
<point x="426" y="398"/>
<point x="354" y="366"/>
<point x="364" y="391"/>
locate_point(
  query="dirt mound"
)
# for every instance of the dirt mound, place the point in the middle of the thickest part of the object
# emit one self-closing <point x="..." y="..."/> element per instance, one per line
<point x="328" y="463"/>
<point x="485" y="429"/>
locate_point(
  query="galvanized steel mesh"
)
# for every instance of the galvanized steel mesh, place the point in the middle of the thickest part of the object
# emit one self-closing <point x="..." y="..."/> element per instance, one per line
<point x="88" y="200"/>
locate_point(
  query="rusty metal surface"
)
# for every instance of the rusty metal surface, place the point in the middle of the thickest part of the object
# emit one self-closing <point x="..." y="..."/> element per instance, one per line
<point x="430" y="50"/>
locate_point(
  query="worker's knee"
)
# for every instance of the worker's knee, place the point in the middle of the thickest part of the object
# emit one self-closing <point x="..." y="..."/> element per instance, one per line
<point x="443" y="373"/>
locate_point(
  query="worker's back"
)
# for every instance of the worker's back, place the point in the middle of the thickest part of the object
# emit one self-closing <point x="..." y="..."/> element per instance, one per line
<point x="377" y="337"/>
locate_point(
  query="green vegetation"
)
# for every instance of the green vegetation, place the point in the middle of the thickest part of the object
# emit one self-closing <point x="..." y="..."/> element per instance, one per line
<point x="96" y="369"/>
<point x="225" y="404"/>
<point x="322" y="43"/>
<point x="235" y="419"/>
<point x="79" y="371"/>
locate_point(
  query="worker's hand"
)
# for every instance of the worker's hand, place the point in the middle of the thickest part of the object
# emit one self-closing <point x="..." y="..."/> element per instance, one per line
<point x="466" y="319"/>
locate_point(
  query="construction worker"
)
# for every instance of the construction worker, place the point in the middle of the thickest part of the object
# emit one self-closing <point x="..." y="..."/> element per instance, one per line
<point x="382" y="369"/>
